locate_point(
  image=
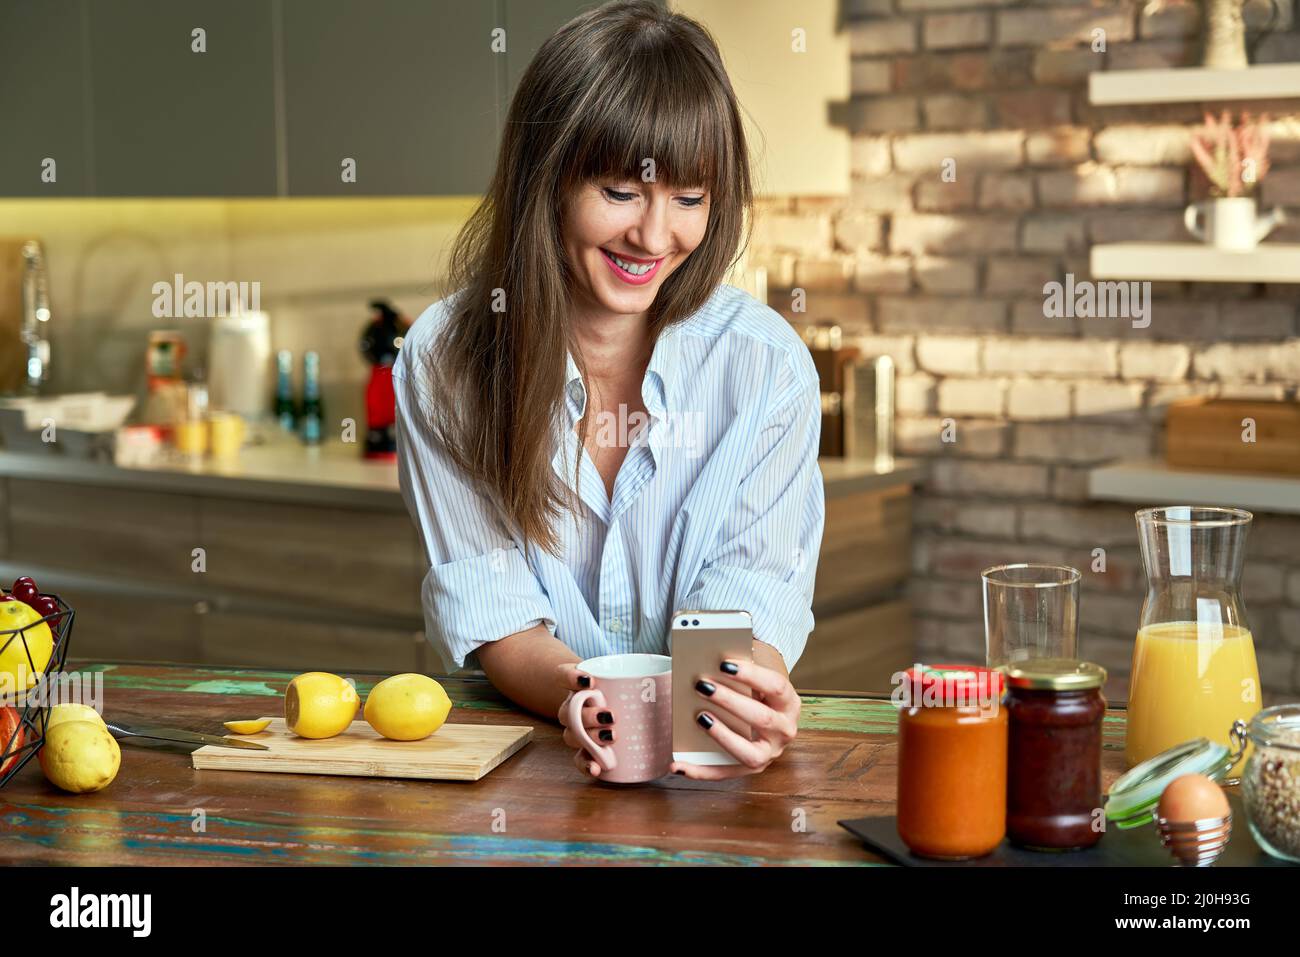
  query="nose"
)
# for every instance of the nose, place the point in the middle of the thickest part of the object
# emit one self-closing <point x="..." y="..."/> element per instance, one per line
<point x="652" y="234"/>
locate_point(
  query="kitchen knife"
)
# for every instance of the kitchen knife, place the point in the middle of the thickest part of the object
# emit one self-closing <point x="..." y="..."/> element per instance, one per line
<point x="181" y="737"/>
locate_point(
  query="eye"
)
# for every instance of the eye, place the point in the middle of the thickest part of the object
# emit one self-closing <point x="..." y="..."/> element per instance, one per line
<point x="690" y="202"/>
<point x="618" y="196"/>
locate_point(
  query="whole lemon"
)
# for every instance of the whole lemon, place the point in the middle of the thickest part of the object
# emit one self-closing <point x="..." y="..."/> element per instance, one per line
<point x="80" y="756"/>
<point x="407" y="707"/>
<point x="17" y="672"/>
<point x="71" y="712"/>
<point x="319" y="705"/>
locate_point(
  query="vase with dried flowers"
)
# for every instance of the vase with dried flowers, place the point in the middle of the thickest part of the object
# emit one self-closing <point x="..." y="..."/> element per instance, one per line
<point x="1223" y="30"/>
<point x="1234" y="159"/>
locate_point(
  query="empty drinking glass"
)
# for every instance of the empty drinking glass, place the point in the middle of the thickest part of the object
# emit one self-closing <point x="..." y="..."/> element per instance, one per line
<point x="1030" y="611"/>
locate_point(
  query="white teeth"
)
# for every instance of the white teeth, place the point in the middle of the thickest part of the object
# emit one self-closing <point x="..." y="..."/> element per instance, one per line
<point x="636" y="269"/>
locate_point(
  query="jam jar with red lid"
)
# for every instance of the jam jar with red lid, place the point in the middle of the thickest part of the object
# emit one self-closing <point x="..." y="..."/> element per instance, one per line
<point x="1054" y="791"/>
<point x="952" y="761"/>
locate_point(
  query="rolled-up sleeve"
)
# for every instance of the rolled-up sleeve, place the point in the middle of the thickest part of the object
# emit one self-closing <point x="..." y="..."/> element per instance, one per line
<point x="766" y="559"/>
<point x="479" y="587"/>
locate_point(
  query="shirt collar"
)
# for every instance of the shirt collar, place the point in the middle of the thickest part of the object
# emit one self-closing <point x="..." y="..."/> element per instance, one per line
<point x="658" y="388"/>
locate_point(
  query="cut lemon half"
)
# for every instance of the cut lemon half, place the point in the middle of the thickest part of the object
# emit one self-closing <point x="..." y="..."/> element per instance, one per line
<point x="247" y="727"/>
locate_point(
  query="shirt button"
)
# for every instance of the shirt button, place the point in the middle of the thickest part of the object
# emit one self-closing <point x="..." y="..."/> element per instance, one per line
<point x="615" y="625"/>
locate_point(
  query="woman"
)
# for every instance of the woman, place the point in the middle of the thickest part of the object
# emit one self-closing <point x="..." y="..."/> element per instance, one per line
<point x="594" y="432"/>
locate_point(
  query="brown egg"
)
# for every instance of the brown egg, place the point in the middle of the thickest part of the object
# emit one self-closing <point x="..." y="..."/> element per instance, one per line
<point x="1192" y="797"/>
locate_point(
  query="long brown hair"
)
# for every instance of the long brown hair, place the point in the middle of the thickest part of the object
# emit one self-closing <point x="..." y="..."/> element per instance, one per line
<point x="620" y="84"/>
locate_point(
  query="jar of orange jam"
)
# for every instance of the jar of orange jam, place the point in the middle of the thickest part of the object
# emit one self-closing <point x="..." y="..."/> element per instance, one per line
<point x="952" y="761"/>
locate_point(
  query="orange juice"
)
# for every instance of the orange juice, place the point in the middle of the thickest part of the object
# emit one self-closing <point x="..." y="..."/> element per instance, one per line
<point x="1189" y="680"/>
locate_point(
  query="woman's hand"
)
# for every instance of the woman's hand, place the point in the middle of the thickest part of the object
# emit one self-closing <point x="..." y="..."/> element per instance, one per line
<point x="598" y="721"/>
<point x="772" y="713"/>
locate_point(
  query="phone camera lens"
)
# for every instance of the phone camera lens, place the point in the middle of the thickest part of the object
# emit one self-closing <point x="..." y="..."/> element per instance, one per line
<point x="695" y="622"/>
<point x="683" y="622"/>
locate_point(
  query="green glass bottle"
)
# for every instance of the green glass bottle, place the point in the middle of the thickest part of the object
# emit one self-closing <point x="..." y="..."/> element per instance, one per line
<point x="286" y="410"/>
<point x="313" y="412"/>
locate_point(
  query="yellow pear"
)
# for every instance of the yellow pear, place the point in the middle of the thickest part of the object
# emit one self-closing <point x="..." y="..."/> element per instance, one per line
<point x="80" y="756"/>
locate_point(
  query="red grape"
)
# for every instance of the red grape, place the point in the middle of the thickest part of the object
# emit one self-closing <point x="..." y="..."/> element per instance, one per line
<point x="25" y="590"/>
<point x="46" y="605"/>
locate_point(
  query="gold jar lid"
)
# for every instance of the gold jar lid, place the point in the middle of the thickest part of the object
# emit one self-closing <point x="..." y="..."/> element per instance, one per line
<point x="1054" y="674"/>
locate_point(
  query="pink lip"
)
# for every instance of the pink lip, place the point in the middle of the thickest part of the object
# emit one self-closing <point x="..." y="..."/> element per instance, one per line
<point x="626" y="276"/>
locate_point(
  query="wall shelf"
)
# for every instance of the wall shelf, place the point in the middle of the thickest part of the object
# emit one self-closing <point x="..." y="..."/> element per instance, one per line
<point x="1194" y="85"/>
<point x="1151" y="482"/>
<point x="1195" y="262"/>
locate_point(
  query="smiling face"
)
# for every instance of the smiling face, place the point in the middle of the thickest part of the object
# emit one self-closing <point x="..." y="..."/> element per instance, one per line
<point x="624" y="238"/>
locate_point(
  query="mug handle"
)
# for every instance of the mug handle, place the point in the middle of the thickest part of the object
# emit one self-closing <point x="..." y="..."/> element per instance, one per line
<point x="604" y="756"/>
<point x="1190" y="216"/>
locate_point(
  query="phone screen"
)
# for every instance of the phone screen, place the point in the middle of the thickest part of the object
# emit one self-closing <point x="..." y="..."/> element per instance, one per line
<point x="698" y="650"/>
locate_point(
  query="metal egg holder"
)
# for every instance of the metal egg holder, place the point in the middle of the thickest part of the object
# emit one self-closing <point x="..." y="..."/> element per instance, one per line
<point x="33" y="701"/>
<point x="1199" y="843"/>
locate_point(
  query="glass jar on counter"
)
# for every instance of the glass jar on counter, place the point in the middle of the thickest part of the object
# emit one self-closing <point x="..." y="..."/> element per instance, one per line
<point x="1054" y="795"/>
<point x="1271" y="779"/>
<point x="952" y="761"/>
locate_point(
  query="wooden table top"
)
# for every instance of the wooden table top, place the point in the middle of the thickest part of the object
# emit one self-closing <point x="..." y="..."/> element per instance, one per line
<point x="536" y="808"/>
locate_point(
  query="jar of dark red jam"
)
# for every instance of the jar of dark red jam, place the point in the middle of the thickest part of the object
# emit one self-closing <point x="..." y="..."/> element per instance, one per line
<point x="1054" y="795"/>
<point x="952" y="761"/>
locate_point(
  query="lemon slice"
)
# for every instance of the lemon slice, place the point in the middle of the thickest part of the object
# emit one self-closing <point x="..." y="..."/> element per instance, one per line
<point x="247" y="727"/>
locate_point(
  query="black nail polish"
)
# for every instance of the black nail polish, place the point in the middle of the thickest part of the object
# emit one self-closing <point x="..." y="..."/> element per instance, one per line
<point x="705" y="687"/>
<point x="584" y="681"/>
<point x="605" y="718"/>
<point x="607" y="735"/>
<point x="682" y="773"/>
<point x="729" y="668"/>
<point x="705" y="721"/>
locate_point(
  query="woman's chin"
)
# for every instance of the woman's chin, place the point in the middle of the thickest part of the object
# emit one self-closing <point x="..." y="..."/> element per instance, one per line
<point x="625" y="299"/>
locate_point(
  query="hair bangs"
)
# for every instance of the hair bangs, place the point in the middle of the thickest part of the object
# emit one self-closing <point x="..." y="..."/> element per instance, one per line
<point x="659" y="120"/>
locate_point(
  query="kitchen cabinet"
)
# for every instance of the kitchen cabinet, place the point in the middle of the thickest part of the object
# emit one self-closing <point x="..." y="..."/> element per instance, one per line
<point x="281" y="584"/>
<point x="283" y="94"/>
<point x="42" y="79"/>
<point x="139" y="535"/>
<point x="259" y="640"/>
<point x="121" y="625"/>
<point x="862" y="629"/>
<point x="167" y="120"/>
<point x="359" y="559"/>
<point x="406" y="91"/>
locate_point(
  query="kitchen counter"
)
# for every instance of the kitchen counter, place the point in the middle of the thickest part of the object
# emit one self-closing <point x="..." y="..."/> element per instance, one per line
<point x="840" y="767"/>
<point x="305" y="558"/>
<point x="331" y="474"/>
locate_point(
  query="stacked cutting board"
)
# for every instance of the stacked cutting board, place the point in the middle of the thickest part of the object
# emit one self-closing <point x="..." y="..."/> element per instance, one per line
<point x="1234" y="435"/>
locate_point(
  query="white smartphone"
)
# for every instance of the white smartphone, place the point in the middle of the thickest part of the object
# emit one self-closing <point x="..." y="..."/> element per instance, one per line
<point x="701" y="641"/>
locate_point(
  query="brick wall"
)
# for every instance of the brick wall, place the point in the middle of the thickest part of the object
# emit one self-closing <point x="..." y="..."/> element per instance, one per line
<point x="946" y="275"/>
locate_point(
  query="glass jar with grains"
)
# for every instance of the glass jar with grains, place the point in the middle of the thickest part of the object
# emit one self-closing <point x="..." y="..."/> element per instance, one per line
<point x="1271" y="780"/>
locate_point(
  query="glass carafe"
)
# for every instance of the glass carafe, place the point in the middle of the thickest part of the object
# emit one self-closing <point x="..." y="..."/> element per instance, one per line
<point x="1194" y="671"/>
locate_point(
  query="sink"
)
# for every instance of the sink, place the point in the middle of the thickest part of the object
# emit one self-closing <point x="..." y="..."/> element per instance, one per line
<point x="84" y="422"/>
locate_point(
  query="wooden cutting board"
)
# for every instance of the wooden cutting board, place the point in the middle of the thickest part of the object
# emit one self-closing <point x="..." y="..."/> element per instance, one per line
<point x="455" y="752"/>
<point x="1204" y="433"/>
<point x="13" y="354"/>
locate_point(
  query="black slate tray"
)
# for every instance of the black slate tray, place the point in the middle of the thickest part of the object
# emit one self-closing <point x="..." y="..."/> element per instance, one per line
<point x="1136" y="847"/>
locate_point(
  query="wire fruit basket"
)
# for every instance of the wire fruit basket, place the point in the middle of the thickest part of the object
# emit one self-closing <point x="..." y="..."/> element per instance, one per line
<point x="24" y="711"/>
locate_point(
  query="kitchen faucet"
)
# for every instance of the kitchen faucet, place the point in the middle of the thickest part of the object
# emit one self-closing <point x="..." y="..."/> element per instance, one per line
<point x="36" y="312"/>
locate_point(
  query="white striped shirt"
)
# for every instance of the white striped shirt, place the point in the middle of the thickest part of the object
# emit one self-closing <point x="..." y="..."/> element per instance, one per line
<point x="721" y="507"/>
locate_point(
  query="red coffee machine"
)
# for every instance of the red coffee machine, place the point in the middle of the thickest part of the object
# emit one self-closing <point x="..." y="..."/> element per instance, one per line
<point x="380" y="342"/>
